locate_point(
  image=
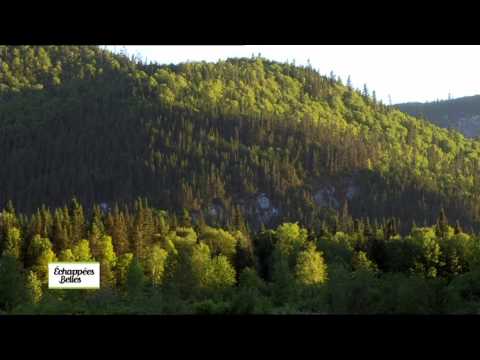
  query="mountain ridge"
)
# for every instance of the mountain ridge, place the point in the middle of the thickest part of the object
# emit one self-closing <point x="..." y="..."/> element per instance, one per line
<point x="461" y="114"/>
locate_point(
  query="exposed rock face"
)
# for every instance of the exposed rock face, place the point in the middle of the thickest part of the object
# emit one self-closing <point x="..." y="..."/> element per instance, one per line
<point x="260" y="209"/>
<point x="325" y="197"/>
<point x="264" y="210"/>
<point x="195" y="215"/>
<point x="332" y="196"/>
<point x="263" y="202"/>
<point x="215" y="210"/>
<point x="104" y="207"/>
<point x="351" y="189"/>
<point x="266" y="217"/>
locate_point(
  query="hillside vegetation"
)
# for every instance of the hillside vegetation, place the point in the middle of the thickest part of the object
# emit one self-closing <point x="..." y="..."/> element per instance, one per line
<point x="244" y="186"/>
<point x="152" y="262"/>
<point x="81" y="121"/>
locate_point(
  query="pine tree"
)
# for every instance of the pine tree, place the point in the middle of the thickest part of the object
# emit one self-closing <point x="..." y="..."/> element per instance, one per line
<point x="118" y="229"/>
<point x="389" y="229"/>
<point x="13" y="243"/>
<point x="60" y="238"/>
<point x="34" y="288"/>
<point x="442" y="224"/>
<point x="78" y="221"/>
<point x="11" y="283"/>
<point x="94" y="239"/>
<point x="186" y="219"/>
<point x="458" y="228"/>
<point x="135" y="280"/>
<point x="365" y="92"/>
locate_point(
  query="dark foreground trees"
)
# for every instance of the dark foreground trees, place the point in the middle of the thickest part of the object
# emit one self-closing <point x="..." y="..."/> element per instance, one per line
<point x="176" y="269"/>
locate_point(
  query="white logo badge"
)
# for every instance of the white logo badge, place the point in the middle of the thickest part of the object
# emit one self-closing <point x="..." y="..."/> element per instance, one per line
<point x="76" y="275"/>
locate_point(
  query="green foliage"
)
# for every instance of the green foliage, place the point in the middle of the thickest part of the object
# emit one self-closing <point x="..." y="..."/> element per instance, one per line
<point x="155" y="264"/>
<point x="403" y="294"/>
<point x="135" y="280"/>
<point x="81" y="251"/>
<point x="244" y="252"/>
<point x="106" y="252"/>
<point x="457" y="254"/>
<point x="122" y="269"/>
<point x="202" y="141"/>
<point x="371" y="268"/>
<point x="358" y="292"/>
<point x="11" y="283"/>
<point x="284" y="286"/>
<point x="221" y="273"/>
<point x="42" y="252"/>
<point x="249" y="279"/>
<point x="426" y="251"/>
<point x="310" y="268"/>
<point x="219" y="241"/>
<point x="67" y="256"/>
<point x="200" y="265"/>
<point x="211" y="307"/>
<point x="464" y="294"/>
<point x="360" y="262"/>
<point x="13" y="243"/>
<point x="337" y="248"/>
<point x="250" y="297"/>
<point x="291" y="239"/>
<point x="33" y="288"/>
<point x="460" y="114"/>
<point x="220" y="132"/>
<point x="107" y="276"/>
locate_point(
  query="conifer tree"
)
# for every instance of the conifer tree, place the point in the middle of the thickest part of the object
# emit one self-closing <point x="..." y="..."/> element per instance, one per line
<point x="135" y="279"/>
<point x="78" y="221"/>
<point x="442" y="224"/>
<point x="33" y="288"/>
<point x="11" y="283"/>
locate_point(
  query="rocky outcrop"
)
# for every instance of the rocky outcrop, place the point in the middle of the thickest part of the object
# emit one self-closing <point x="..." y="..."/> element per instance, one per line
<point x="264" y="210"/>
<point x="215" y="211"/>
<point x="326" y="197"/>
<point x="333" y="195"/>
<point x="352" y="189"/>
<point x="105" y="208"/>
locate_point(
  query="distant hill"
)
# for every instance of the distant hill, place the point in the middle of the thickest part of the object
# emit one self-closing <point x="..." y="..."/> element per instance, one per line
<point x="462" y="114"/>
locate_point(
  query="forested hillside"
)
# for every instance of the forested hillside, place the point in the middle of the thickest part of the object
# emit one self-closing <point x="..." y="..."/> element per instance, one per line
<point x="245" y="186"/>
<point x="245" y="138"/>
<point x="462" y="114"/>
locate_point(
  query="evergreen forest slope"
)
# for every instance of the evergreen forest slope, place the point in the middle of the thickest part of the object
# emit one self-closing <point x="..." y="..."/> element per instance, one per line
<point x="242" y="138"/>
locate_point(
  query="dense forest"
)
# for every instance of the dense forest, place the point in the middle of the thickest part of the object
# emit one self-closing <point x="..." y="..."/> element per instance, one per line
<point x="462" y="114"/>
<point x="261" y="182"/>
<point x="273" y="142"/>
<point x="153" y="262"/>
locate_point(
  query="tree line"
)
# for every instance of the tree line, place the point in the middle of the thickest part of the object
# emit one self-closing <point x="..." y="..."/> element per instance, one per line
<point x="153" y="261"/>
